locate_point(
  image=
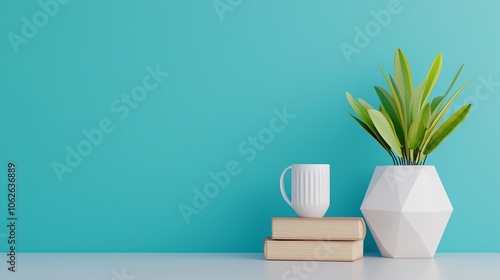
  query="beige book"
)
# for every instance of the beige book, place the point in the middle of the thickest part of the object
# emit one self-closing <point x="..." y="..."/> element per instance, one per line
<point x="313" y="250"/>
<point x="318" y="228"/>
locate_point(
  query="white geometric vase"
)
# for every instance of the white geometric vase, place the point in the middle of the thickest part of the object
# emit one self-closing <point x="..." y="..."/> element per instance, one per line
<point x="406" y="209"/>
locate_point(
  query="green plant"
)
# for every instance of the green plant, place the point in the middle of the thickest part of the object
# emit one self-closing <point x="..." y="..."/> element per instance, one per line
<point x="406" y="125"/>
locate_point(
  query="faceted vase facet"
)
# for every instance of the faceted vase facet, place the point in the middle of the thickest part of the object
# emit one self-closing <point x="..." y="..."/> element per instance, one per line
<point x="407" y="210"/>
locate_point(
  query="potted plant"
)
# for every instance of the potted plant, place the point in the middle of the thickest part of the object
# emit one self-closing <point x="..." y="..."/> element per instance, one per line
<point x="406" y="206"/>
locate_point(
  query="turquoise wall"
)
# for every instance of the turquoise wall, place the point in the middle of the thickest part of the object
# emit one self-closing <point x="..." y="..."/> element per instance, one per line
<point x="118" y="113"/>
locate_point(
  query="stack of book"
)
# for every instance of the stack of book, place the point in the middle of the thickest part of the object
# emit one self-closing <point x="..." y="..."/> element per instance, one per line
<point x="316" y="239"/>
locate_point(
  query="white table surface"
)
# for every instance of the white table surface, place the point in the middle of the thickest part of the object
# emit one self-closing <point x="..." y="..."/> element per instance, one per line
<point x="110" y="266"/>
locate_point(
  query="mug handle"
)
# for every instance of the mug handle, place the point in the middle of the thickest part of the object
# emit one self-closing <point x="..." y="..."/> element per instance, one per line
<point x="282" y="186"/>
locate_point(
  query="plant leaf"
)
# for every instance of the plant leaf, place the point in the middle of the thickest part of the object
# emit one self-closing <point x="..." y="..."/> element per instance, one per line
<point x="416" y="101"/>
<point x="386" y="129"/>
<point x="365" y="104"/>
<point x="447" y="105"/>
<point x="435" y="122"/>
<point x="384" y="111"/>
<point x="402" y="75"/>
<point x="387" y="102"/>
<point x="395" y="97"/>
<point x="399" y="95"/>
<point x="363" y="125"/>
<point x="365" y="117"/>
<point x="435" y="102"/>
<point x="358" y="108"/>
<point x="426" y="114"/>
<point x="451" y="124"/>
<point x="404" y="119"/>
<point x="416" y="132"/>
<point x="432" y="77"/>
<point x="454" y="80"/>
<point x="435" y="112"/>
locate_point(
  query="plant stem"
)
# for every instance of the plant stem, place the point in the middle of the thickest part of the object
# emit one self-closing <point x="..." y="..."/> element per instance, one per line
<point x="392" y="157"/>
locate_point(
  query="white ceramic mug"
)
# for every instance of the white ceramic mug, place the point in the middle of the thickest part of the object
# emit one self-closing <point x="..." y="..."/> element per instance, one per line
<point x="310" y="189"/>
